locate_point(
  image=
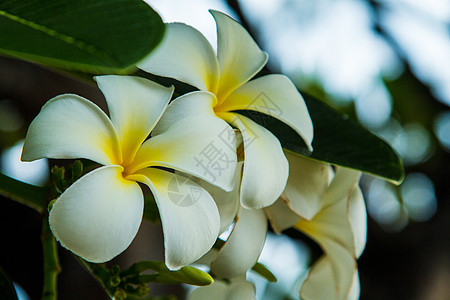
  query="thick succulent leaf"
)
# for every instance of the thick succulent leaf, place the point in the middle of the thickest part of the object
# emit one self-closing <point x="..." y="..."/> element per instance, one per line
<point x="338" y="140"/>
<point x="89" y="36"/>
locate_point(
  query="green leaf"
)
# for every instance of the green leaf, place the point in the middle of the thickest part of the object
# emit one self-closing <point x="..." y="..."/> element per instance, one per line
<point x="30" y="195"/>
<point x="7" y="290"/>
<point x="264" y="272"/>
<point x="337" y="140"/>
<point x="107" y="36"/>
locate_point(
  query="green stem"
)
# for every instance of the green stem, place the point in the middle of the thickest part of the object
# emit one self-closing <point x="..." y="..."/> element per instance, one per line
<point x="99" y="272"/>
<point x="51" y="262"/>
<point x="30" y="195"/>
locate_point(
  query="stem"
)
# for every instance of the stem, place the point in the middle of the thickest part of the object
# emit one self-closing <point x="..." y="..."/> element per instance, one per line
<point x="99" y="272"/>
<point x="27" y="194"/>
<point x="51" y="262"/>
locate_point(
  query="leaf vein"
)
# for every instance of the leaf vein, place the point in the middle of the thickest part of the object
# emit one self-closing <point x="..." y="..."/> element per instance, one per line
<point x="91" y="49"/>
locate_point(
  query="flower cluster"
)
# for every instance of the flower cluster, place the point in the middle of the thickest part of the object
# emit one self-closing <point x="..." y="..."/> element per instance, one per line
<point x="207" y="165"/>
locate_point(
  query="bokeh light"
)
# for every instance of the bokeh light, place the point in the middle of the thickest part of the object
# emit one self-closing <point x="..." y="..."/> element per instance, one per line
<point x="419" y="197"/>
<point x="442" y="129"/>
<point x="35" y="172"/>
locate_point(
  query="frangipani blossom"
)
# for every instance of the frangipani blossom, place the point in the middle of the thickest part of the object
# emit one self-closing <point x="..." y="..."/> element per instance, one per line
<point x="327" y="206"/>
<point x="186" y="55"/>
<point x="333" y="215"/>
<point x="99" y="215"/>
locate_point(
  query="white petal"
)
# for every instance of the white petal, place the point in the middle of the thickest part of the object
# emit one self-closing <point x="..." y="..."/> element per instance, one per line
<point x="220" y="290"/>
<point x="355" y="290"/>
<point x="308" y="180"/>
<point x="242" y="290"/>
<point x="331" y="225"/>
<point x="320" y="283"/>
<point x="70" y="126"/>
<point x="266" y="168"/>
<point x="303" y="196"/>
<point x="135" y="105"/>
<point x="274" y="95"/>
<point x="323" y="279"/>
<point x="200" y="146"/>
<point x="191" y="105"/>
<point x="342" y="185"/>
<point x="189" y="216"/>
<point x="227" y="202"/>
<point x="358" y="220"/>
<point x="243" y="247"/>
<point x="332" y="276"/>
<point x="281" y="217"/>
<point x="239" y="56"/>
<point x="216" y="291"/>
<point x="99" y="215"/>
<point x="186" y="55"/>
<point x="332" y="230"/>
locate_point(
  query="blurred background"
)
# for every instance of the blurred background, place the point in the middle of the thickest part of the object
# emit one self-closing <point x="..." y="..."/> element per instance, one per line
<point x="386" y="63"/>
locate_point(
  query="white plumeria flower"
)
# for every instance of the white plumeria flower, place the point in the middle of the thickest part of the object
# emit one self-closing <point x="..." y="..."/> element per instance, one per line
<point x="326" y="206"/>
<point x="99" y="215"/>
<point x="186" y="55"/>
<point x="330" y="209"/>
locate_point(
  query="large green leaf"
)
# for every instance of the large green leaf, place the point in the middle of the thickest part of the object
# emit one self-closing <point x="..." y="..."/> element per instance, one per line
<point x="337" y="140"/>
<point x="102" y="36"/>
